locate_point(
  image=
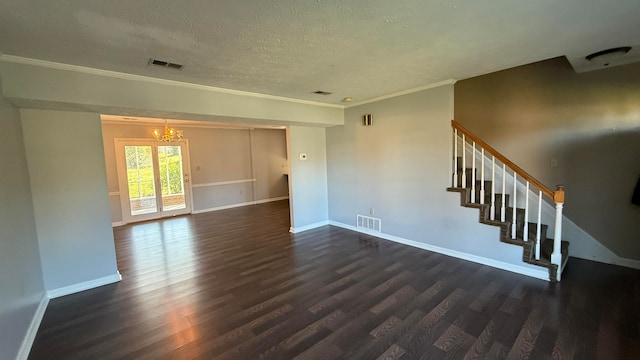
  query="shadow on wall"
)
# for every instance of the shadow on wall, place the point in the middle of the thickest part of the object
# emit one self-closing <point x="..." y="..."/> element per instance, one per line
<point x="602" y="172"/>
<point x="538" y="113"/>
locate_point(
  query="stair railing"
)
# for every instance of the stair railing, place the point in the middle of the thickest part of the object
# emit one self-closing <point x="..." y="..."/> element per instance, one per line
<point x="556" y="196"/>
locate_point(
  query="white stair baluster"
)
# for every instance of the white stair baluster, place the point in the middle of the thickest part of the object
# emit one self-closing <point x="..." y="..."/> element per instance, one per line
<point x="464" y="162"/>
<point x="525" y="229"/>
<point x="455" y="157"/>
<point x="556" y="256"/>
<point x="504" y="194"/>
<point x="482" y="179"/>
<point x="493" y="188"/>
<point x="473" y="172"/>
<point x="514" y="212"/>
<point x="539" y="226"/>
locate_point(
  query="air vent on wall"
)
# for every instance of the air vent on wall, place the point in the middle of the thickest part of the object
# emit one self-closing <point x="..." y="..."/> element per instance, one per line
<point x="166" y="64"/>
<point x="368" y="223"/>
<point x="321" y="92"/>
<point x="367" y="120"/>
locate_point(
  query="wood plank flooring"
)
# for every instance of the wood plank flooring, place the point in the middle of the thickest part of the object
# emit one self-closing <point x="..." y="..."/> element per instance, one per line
<point x="234" y="284"/>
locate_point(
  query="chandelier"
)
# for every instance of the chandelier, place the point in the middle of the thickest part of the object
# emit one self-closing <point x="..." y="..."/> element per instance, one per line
<point x="169" y="134"/>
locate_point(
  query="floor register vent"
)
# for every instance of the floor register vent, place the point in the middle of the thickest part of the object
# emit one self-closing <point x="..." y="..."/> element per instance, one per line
<point x="369" y="223"/>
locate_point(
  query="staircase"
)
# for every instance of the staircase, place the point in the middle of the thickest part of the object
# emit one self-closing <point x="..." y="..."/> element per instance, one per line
<point x="500" y="207"/>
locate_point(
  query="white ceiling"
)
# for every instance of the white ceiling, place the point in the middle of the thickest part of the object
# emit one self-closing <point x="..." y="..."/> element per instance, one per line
<point x="360" y="48"/>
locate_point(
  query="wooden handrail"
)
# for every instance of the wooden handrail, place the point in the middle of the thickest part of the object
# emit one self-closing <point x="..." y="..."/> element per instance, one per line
<point x="545" y="190"/>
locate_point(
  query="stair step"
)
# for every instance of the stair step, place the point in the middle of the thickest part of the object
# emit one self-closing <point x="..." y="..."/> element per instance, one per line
<point x="487" y="195"/>
<point x="528" y="241"/>
<point x="469" y="176"/>
<point x="508" y="214"/>
<point x="546" y="248"/>
<point x="533" y="231"/>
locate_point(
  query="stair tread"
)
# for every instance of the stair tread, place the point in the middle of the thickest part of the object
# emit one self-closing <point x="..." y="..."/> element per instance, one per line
<point x="471" y="199"/>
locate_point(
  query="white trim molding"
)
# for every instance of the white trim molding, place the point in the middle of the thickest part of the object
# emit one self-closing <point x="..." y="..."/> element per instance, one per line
<point x="231" y="206"/>
<point x="224" y="207"/>
<point x="405" y="92"/>
<point x="263" y="201"/>
<point x="30" y="336"/>
<point x="119" y="75"/>
<point x="72" y="289"/>
<point x="308" y="227"/>
<point x="538" y="274"/>
<point x="584" y="246"/>
<point x="241" y="181"/>
<point x="626" y="262"/>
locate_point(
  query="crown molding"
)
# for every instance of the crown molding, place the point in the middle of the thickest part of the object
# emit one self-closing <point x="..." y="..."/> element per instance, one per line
<point x="142" y="121"/>
<point x="404" y="92"/>
<point x="127" y="76"/>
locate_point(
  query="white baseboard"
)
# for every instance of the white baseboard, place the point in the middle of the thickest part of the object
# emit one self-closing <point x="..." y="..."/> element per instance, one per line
<point x="118" y="223"/>
<point x="222" y="207"/>
<point x="308" y="227"/>
<point x="271" y="200"/>
<point x="584" y="246"/>
<point x="239" y="205"/>
<point x="538" y="274"/>
<point x="30" y="336"/>
<point x="626" y="262"/>
<point x="72" y="289"/>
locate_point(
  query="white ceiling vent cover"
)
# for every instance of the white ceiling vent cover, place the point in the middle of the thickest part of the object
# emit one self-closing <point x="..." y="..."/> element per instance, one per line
<point x="369" y="223"/>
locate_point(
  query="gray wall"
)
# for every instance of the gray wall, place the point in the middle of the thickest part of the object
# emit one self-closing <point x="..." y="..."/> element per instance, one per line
<point x="68" y="184"/>
<point x="400" y="168"/>
<point x="589" y="122"/>
<point x="217" y="155"/>
<point x="21" y="285"/>
<point x="308" y="178"/>
<point x="270" y="163"/>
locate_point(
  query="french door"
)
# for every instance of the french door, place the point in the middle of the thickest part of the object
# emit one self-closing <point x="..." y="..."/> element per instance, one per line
<point x="153" y="179"/>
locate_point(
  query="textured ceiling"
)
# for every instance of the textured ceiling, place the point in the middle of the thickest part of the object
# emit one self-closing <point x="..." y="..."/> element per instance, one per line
<point x="361" y="48"/>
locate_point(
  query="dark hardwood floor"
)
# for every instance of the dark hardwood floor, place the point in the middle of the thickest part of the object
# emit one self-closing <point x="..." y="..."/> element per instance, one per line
<point x="235" y="284"/>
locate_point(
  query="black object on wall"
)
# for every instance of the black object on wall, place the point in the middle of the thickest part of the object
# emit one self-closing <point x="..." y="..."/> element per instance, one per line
<point x="636" y="194"/>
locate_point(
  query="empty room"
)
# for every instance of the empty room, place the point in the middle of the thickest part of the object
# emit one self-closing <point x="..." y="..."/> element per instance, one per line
<point x="319" y="180"/>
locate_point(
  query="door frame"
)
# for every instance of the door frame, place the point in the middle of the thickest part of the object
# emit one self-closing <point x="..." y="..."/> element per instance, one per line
<point x="125" y="204"/>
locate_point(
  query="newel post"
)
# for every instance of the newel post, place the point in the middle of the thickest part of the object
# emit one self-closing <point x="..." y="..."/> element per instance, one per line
<point x="556" y="256"/>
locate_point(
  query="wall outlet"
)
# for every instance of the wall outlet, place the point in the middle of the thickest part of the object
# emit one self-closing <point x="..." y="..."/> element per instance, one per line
<point x="303" y="156"/>
<point x="372" y="211"/>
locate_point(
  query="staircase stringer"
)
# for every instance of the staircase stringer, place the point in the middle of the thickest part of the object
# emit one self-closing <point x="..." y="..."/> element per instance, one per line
<point x="484" y="217"/>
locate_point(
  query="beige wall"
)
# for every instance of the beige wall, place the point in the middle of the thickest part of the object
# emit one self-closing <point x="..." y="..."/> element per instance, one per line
<point x="217" y="155"/>
<point x="589" y="122"/>
<point x="270" y="163"/>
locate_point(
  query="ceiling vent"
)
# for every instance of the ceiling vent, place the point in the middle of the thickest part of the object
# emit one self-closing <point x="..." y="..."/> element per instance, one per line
<point x="320" y="92"/>
<point x="166" y="64"/>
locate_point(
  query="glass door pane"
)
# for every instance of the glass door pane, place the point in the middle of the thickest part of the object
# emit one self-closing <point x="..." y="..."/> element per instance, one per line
<point x="171" y="177"/>
<point x="140" y="180"/>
